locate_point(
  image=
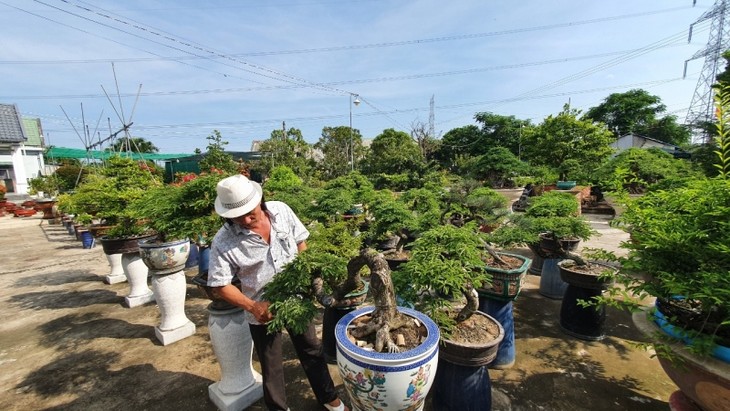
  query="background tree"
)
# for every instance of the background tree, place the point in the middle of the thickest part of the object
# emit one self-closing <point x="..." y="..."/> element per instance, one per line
<point x="133" y="145"/>
<point x="499" y="131"/>
<point x="428" y="144"/>
<point x="564" y="137"/>
<point x="394" y="161"/>
<point x="638" y="112"/>
<point x="288" y="150"/>
<point x="334" y="145"/>
<point x="498" y="167"/>
<point x="215" y="156"/>
<point x="456" y="144"/>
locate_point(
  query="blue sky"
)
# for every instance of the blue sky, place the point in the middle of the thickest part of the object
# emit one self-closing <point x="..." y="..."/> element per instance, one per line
<point x="243" y="67"/>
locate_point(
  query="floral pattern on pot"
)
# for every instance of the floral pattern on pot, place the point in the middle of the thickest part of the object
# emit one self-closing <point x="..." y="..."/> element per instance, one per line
<point x="165" y="258"/>
<point x="387" y="381"/>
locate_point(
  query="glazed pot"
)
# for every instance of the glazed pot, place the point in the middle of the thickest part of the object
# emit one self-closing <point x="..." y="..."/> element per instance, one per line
<point x="703" y="380"/>
<point x="164" y="258"/>
<point x="506" y="284"/>
<point x="401" y="380"/>
<point x="123" y="245"/>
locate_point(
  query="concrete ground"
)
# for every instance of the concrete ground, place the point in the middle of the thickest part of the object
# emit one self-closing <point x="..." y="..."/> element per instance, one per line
<point x="67" y="342"/>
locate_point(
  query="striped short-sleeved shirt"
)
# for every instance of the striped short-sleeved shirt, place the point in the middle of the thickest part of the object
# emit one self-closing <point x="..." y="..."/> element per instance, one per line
<point x="237" y="251"/>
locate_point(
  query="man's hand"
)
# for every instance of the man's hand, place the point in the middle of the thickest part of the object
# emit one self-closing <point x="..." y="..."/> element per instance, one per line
<point x="260" y="311"/>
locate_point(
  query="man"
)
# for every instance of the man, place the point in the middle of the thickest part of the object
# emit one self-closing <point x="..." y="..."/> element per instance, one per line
<point x="256" y="241"/>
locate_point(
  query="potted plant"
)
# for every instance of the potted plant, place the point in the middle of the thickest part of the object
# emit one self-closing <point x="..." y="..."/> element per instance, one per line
<point x="550" y="224"/>
<point x="441" y="278"/>
<point x="679" y="255"/>
<point x="328" y="272"/>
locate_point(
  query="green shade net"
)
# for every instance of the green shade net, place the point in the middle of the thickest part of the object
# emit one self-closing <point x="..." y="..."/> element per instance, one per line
<point x="63" y="152"/>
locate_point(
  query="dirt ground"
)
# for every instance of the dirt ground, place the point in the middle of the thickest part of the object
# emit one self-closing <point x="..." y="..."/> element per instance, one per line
<point x="67" y="342"/>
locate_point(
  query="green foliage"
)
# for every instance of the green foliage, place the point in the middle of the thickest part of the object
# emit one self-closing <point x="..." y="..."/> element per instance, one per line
<point x="181" y="210"/>
<point x="336" y="147"/>
<point x="68" y="175"/>
<point x="552" y="212"/>
<point x="49" y="185"/>
<point x="290" y="292"/>
<point x="394" y="161"/>
<point x="498" y="166"/>
<point x="340" y="194"/>
<point x="553" y="204"/>
<point x="288" y="150"/>
<point x="680" y="245"/>
<point x="106" y="195"/>
<point x="444" y="260"/>
<point x="282" y="178"/>
<point x="564" y="137"/>
<point x="722" y="137"/>
<point x="134" y="145"/>
<point x="635" y="169"/>
<point x="215" y="157"/>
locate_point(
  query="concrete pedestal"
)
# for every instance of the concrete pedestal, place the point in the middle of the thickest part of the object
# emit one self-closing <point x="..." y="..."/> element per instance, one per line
<point x="116" y="274"/>
<point x="240" y="385"/>
<point x="136" y="272"/>
<point x="169" y="292"/>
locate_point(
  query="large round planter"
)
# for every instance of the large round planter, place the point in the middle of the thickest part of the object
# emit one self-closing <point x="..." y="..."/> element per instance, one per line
<point x="551" y="246"/>
<point x="551" y="285"/>
<point x="387" y="381"/>
<point x="537" y="259"/>
<point x="472" y="355"/>
<point x="506" y="284"/>
<point x="124" y="245"/>
<point x="164" y="258"/>
<point x="582" y="279"/>
<point x="704" y="380"/>
<point x="46" y="206"/>
<point x="99" y="230"/>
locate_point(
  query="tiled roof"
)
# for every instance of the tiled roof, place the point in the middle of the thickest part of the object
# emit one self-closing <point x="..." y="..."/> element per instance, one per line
<point x="11" y="127"/>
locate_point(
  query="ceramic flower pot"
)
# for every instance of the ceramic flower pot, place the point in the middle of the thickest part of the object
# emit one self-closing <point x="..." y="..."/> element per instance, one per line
<point x="164" y="258"/>
<point x="506" y="283"/>
<point x="387" y="381"/>
<point x="705" y="381"/>
<point x="125" y="245"/>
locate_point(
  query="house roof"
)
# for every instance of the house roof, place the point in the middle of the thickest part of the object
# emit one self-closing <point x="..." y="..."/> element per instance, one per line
<point x="33" y="131"/>
<point x="11" y="125"/>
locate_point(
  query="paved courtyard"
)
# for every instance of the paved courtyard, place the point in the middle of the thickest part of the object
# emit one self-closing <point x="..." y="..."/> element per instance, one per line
<point x="67" y="342"/>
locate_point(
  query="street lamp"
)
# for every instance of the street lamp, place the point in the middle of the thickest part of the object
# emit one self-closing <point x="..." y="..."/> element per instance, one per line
<point x="352" y="146"/>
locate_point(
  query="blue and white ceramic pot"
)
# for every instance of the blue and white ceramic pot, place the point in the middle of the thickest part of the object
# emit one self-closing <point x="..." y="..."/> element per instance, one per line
<point x="387" y="381"/>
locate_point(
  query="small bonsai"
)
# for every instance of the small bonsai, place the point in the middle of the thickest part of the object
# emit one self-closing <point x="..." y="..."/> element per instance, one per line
<point x="554" y="215"/>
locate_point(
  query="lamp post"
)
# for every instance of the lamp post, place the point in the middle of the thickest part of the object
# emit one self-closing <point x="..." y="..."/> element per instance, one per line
<point x="352" y="146"/>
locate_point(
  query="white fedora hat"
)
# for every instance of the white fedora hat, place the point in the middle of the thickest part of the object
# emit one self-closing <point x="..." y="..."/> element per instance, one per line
<point x="237" y="195"/>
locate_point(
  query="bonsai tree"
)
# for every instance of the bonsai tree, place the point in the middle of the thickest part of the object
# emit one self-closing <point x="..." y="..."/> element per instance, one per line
<point x="184" y="209"/>
<point x="319" y="274"/>
<point x="446" y="264"/>
<point x="680" y="249"/>
<point x="106" y="195"/>
<point x="553" y="214"/>
<point x="468" y="201"/>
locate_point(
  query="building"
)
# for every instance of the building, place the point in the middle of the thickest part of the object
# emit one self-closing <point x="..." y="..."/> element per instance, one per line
<point x="635" y="141"/>
<point x="21" y="149"/>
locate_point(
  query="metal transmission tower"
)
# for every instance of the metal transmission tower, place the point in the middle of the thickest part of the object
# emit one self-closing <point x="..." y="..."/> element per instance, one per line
<point x="701" y="110"/>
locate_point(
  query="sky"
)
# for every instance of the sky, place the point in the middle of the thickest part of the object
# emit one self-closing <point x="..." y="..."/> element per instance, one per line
<point x="174" y="71"/>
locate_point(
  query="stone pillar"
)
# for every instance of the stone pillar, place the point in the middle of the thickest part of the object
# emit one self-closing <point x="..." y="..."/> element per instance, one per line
<point x="240" y="385"/>
<point x="169" y="291"/>
<point x="136" y="272"/>
<point x="116" y="275"/>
